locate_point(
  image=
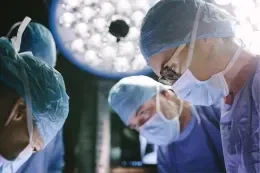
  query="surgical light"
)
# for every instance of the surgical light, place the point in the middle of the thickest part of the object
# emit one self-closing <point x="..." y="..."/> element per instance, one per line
<point x="247" y="13"/>
<point x="101" y="36"/>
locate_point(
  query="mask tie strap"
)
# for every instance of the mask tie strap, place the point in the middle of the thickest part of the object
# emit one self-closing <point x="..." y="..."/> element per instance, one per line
<point x="234" y="58"/>
<point x="193" y="37"/>
<point x="16" y="41"/>
<point x="12" y="28"/>
<point x="157" y="100"/>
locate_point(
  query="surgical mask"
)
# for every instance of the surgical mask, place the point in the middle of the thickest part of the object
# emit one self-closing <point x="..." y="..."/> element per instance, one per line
<point x="7" y="166"/>
<point x="12" y="166"/>
<point x="206" y="92"/>
<point x="161" y="131"/>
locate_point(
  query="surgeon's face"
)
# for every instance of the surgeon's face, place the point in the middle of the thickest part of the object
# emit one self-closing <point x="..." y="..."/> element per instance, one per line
<point x="14" y="135"/>
<point x="172" y="63"/>
<point x="148" y="109"/>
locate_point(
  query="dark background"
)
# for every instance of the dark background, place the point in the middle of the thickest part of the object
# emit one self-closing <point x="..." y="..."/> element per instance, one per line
<point x="81" y="87"/>
<point x="80" y="129"/>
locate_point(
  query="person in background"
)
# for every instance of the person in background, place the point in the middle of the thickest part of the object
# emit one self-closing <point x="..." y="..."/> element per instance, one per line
<point x="38" y="39"/>
<point x="188" y="136"/>
<point x="194" y="46"/>
<point x="34" y="104"/>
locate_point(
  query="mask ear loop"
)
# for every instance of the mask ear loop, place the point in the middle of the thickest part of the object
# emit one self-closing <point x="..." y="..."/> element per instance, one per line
<point x="16" y="41"/>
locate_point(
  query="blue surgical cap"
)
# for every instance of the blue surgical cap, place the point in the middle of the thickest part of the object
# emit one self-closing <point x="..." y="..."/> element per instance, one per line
<point x="170" y="23"/>
<point x="126" y="96"/>
<point x="39" y="40"/>
<point x="49" y="101"/>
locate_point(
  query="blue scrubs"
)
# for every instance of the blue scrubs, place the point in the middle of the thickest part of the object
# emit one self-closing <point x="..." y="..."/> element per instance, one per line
<point x="240" y="123"/>
<point x="49" y="160"/>
<point x="198" y="149"/>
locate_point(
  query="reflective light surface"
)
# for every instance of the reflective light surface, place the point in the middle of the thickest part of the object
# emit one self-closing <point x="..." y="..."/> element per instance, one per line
<point x="83" y="26"/>
<point x="247" y="12"/>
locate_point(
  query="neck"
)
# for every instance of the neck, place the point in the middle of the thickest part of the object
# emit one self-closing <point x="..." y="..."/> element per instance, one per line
<point x="185" y="116"/>
<point x="241" y="61"/>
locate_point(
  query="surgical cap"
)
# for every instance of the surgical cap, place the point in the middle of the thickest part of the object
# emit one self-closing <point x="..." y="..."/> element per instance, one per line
<point x="170" y="23"/>
<point x="49" y="101"/>
<point x="126" y="96"/>
<point x="39" y="40"/>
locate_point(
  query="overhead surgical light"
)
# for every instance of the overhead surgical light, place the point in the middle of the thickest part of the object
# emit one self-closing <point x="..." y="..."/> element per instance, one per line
<point x="223" y="2"/>
<point x="247" y="14"/>
<point x="101" y="36"/>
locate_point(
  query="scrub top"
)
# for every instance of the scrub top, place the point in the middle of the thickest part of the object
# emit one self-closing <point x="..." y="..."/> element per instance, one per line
<point x="49" y="160"/>
<point x="198" y="149"/>
<point x="240" y="122"/>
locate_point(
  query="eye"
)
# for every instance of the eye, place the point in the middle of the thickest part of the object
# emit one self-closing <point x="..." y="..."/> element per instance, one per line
<point x="144" y="114"/>
<point x="169" y="74"/>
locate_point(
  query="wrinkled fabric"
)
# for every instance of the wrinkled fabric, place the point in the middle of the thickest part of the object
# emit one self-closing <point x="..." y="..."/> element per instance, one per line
<point x="49" y="160"/>
<point x="240" y="128"/>
<point x="126" y="96"/>
<point x="169" y="24"/>
<point x="50" y="103"/>
<point x="199" y="148"/>
<point x="39" y="40"/>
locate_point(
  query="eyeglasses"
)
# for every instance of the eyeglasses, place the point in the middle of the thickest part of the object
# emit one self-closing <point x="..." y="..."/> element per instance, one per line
<point x="167" y="73"/>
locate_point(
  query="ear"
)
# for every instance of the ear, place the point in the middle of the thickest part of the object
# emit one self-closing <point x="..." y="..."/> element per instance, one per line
<point x="17" y="112"/>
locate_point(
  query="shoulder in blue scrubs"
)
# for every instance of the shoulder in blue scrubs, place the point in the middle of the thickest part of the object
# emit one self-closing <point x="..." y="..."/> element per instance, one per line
<point x="49" y="160"/>
<point x="198" y="148"/>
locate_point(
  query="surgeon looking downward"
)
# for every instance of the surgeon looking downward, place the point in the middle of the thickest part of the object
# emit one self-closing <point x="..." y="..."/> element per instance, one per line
<point x="188" y="136"/>
<point x="33" y="105"/>
<point x="191" y="44"/>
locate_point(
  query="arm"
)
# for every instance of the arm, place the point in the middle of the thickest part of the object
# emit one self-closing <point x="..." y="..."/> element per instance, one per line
<point x="56" y="163"/>
<point x="255" y="91"/>
<point x="162" y="161"/>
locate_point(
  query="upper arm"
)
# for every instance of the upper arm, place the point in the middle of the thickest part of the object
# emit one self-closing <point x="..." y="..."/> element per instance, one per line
<point x="162" y="161"/>
<point x="256" y="91"/>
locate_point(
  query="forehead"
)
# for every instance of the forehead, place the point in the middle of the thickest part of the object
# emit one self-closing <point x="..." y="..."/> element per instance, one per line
<point x="148" y="104"/>
<point x="7" y="92"/>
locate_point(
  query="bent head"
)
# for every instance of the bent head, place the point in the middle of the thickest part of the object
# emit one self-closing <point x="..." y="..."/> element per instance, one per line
<point x="14" y="136"/>
<point x="149" y="107"/>
<point x="169" y="107"/>
<point x="36" y="93"/>
<point x="181" y="36"/>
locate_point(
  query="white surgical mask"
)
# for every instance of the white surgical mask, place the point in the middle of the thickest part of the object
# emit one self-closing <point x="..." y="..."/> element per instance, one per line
<point x="11" y="166"/>
<point x="161" y="131"/>
<point x="206" y="92"/>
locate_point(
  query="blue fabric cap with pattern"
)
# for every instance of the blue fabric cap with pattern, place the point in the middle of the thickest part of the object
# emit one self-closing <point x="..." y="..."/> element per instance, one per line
<point x="38" y="39"/>
<point x="49" y="100"/>
<point x="170" y="23"/>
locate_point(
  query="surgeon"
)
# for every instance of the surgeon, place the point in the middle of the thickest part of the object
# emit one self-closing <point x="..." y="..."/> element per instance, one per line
<point x="188" y="136"/>
<point x="34" y="104"/>
<point x="37" y="39"/>
<point x="192" y="45"/>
